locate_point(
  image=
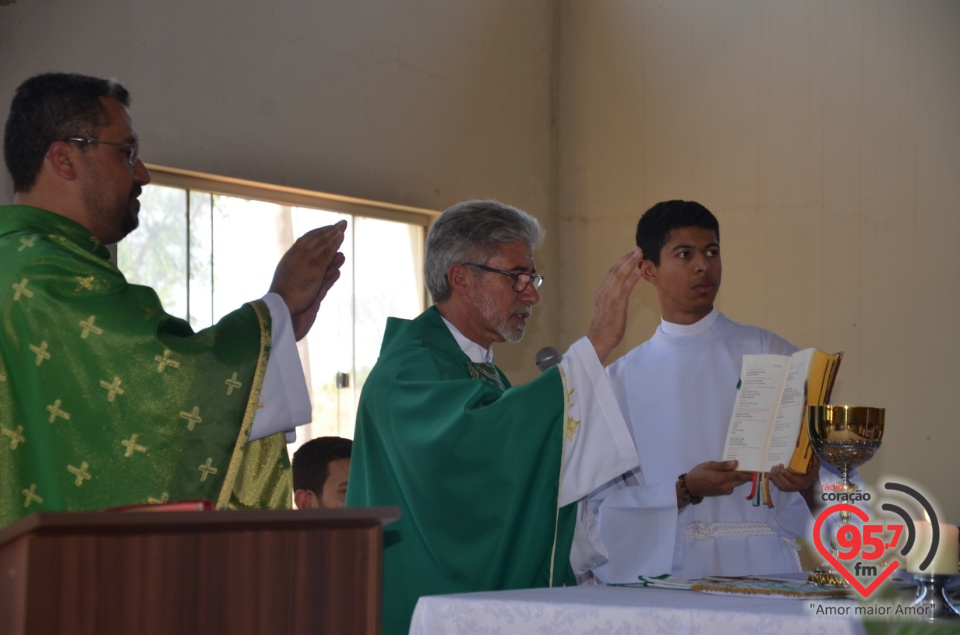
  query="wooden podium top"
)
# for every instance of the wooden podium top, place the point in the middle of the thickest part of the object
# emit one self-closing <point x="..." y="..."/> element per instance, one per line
<point x="156" y="522"/>
<point x="297" y="572"/>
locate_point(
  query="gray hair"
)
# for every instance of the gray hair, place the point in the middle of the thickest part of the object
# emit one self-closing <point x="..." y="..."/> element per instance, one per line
<point x="473" y="231"/>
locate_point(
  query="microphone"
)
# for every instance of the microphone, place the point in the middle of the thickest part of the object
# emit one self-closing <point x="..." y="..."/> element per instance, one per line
<point x="548" y="356"/>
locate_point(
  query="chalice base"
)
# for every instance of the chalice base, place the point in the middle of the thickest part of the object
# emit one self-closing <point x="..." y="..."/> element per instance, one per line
<point x="933" y="596"/>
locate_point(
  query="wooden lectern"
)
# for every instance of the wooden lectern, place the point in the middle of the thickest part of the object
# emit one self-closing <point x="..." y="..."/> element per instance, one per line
<point x="172" y="573"/>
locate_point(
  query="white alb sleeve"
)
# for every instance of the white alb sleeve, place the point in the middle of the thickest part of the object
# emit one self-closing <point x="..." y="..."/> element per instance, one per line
<point x="597" y="447"/>
<point x="284" y="399"/>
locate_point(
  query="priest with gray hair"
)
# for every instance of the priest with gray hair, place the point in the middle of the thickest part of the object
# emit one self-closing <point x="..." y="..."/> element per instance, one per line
<point x="487" y="475"/>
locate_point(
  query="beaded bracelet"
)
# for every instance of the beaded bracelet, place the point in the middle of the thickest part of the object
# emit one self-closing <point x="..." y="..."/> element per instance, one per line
<point x="687" y="495"/>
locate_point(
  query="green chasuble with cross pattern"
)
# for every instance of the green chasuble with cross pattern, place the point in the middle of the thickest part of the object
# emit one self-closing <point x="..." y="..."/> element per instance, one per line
<point x="105" y="400"/>
<point x="474" y="467"/>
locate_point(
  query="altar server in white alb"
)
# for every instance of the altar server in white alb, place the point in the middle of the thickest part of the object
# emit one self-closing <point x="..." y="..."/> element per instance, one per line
<point x="683" y="511"/>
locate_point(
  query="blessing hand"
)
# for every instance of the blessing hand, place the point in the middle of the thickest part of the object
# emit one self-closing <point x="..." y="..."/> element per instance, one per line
<point x="609" y="321"/>
<point x="307" y="271"/>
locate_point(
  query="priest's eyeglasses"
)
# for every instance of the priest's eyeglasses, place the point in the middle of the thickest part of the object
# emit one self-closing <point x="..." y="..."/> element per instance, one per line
<point x="520" y="280"/>
<point x="132" y="148"/>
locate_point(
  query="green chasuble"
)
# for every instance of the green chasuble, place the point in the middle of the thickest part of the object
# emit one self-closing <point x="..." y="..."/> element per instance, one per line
<point x="474" y="467"/>
<point x="105" y="400"/>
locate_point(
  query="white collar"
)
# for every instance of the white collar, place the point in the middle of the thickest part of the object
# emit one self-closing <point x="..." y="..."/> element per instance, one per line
<point x="701" y="325"/>
<point x="476" y="353"/>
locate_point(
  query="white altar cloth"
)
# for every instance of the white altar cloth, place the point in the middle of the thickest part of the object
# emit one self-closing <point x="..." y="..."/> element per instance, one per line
<point x="599" y="610"/>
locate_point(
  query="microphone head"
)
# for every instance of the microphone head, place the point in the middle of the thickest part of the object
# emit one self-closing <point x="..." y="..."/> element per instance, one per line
<point x="548" y="356"/>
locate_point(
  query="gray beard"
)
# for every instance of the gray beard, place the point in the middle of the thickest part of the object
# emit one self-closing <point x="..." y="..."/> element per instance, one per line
<point x="501" y="325"/>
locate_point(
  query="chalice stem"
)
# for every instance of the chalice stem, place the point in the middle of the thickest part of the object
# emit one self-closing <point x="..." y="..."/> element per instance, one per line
<point x="848" y="485"/>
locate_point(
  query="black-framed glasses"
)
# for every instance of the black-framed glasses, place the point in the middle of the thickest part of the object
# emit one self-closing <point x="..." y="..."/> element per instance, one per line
<point x="520" y="280"/>
<point x="132" y="147"/>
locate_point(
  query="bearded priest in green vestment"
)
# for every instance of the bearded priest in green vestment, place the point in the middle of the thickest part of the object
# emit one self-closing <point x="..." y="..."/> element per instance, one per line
<point x="487" y="475"/>
<point x="105" y="399"/>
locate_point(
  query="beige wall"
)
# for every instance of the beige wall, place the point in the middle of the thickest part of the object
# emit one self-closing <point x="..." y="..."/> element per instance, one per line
<point x="826" y="138"/>
<point x="823" y="134"/>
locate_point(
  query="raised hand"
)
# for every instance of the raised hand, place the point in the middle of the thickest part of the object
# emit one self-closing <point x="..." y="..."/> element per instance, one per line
<point x="610" y="303"/>
<point x="307" y="272"/>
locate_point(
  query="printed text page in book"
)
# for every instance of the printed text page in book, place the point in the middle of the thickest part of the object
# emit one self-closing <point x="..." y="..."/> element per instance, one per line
<point x="762" y="378"/>
<point x="783" y="442"/>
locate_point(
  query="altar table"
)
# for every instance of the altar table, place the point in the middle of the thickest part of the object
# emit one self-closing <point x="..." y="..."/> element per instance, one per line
<point x="621" y="610"/>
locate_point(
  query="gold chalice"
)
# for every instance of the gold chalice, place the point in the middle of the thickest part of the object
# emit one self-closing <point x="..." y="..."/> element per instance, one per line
<point x="844" y="437"/>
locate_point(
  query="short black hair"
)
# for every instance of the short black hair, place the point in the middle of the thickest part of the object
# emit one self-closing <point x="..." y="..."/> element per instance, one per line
<point x="311" y="461"/>
<point x="49" y="108"/>
<point x="655" y="225"/>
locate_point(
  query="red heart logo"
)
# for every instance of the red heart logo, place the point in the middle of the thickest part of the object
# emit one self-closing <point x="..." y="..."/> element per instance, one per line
<point x="849" y="577"/>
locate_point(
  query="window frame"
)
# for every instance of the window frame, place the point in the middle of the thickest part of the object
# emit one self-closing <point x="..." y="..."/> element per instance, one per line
<point x="296" y="197"/>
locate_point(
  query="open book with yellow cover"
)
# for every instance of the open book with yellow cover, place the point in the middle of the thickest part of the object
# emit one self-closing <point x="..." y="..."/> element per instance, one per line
<point x="768" y="426"/>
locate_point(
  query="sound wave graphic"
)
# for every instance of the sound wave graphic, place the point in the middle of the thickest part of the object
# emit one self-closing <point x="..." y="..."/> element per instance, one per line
<point x="908" y="522"/>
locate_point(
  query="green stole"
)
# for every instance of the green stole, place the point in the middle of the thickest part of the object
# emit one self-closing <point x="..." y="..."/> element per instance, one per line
<point x="106" y="400"/>
<point x="474" y="468"/>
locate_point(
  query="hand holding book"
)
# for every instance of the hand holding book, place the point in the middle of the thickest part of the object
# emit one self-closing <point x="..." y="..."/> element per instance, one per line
<point x="716" y="478"/>
<point x="789" y="481"/>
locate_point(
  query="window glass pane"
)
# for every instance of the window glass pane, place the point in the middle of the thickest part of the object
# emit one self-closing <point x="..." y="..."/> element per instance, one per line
<point x="224" y="252"/>
<point x="386" y="284"/>
<point x="155" y="254"/>
<point x="246" y="243"/>
<point x="200" y="274"/>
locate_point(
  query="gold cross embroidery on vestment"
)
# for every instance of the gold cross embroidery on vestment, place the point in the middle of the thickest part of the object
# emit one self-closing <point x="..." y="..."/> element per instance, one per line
<point x="165" y="361"/>
<point x="84" y="282"/>
<point x="193" y="417"/>
<point x="56" y="411"/>
<point x="30" y="495"/>
<point x="132" y="446"/>
<point x="40" y="352"/>
<point x="16" y="436"/>
<point x="89" y="327"/>
<point x="20" y="289"/>
<point x="232" y="383"/>
<point x="207" y="469"/>
<point x="80" y="472"/>
<point x="113" y="389"/>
